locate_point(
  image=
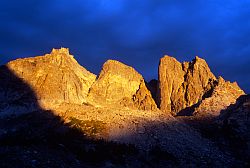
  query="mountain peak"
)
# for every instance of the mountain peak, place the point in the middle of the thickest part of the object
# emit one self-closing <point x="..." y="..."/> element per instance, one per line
<point x="55" y="78"/>
<point x="198" y="58"/>
<point x="185" y="86"/>
<point x="182" y="85"/>
<point x="118" y="68"/>
<point x="167" y="58"/>
<point x="121" y="85"/>
<point x="62" y="50"/>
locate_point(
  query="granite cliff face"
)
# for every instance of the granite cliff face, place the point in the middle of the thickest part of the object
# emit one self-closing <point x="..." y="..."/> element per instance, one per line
<point x="182" y="85"/>
<point x="54" y="77"/>
<point x="120" y="85"/>
<point x="185" y="85"/>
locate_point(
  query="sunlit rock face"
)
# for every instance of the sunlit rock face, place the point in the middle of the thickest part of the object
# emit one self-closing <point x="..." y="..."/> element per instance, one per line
<point x="222" y="95"/>
<point x="191" y="85"/>
<point x="57" y="78"/>
<point x="54" y="77"/>
<point x="121" y="85"/>
<point x="182" y="85"/>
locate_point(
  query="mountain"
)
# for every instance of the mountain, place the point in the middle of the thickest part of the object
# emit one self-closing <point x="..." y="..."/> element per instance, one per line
<point x="186" y="86"/>
<point x="57" y="78"/>
<point x="119" y="84"/>
<point x="55" y="113"/>
<point x="54" y="77"/>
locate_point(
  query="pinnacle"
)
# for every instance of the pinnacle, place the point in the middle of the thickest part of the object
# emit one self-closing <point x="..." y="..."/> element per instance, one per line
<point x="116" y="66"/>
<point x="168" y="57"/>
<point x="220" y="79"/>
<point x="62" y="50"/>
<point x="198" y="59"/>
<point x="110" y="61"/>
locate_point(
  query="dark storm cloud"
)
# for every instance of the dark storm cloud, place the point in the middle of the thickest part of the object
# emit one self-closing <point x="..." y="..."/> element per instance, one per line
<point x="136" y="32"/>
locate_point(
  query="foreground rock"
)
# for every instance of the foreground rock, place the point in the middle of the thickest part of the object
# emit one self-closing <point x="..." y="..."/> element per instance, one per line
<point x="185" y="86"/>
<point x="146" y="138"/>
<point x="238" y="115"/>
<point x="120" y="85"/>
<point x="54" y="78"/>
<point x="235" y="124"/>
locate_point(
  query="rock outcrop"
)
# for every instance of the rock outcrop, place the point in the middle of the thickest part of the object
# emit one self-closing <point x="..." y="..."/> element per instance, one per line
<point x="237" y="116"/>
<point x="54" y="78"/>
<point x="235" y="125"/>
<point x="183" y="85"/>
<point x="121" y="85"/>
<point x="222" y="95"/>
<point x="191" y="87"/>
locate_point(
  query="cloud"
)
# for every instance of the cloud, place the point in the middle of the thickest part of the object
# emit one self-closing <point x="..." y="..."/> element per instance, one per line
<point x="136" y="32"/>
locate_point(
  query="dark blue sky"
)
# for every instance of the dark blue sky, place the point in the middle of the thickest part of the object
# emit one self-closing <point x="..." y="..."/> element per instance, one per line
<point x="136" y="32"/>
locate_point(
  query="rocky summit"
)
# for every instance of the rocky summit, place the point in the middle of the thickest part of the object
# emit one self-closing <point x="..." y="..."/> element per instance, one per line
<point x="54" y="77"/>
<point x="57" y="78"/>
<point x="184" y="86"/>
<point x="55" y="113"/>
<point x="119" y="84"/>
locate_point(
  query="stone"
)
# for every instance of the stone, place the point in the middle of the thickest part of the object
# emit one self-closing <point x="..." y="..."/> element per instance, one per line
<point x="199" y="81"/>
<point x="182" y="85"/>
<point x="171" y="78"/>
<point x="235" y="124"/>
<point x="121" y="85"/>
<point x="238" y="115"/>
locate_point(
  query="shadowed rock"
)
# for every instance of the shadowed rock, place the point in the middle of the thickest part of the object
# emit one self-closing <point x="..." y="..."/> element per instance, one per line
<point x="16" y="96"/>
<point x="234" y="122"/>
<point x="152" y="86"/>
